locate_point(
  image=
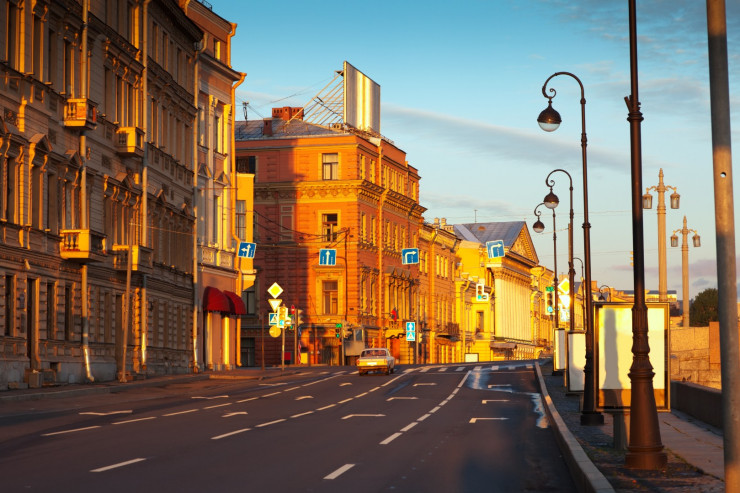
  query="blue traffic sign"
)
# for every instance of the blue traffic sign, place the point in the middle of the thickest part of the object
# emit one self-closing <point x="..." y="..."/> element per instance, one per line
<point x="273" y="318"/>
<point x="246" y="249"/>
<point x="410" y="256"/>
<point x="495" y="248"/>
<point x="328" y="256"/>
<point x="410" y="331"/>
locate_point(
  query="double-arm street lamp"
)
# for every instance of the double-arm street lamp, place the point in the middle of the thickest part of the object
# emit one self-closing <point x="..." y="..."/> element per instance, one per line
<point x="647" y="203"/>
<point x="685" y="264"/>
<point x="539" y="227"/>
<point x="551" y="202"/>
<point x="549" y="120"/>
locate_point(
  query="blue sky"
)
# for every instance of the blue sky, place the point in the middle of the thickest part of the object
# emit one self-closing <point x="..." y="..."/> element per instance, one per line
<point x="461" y="88"/>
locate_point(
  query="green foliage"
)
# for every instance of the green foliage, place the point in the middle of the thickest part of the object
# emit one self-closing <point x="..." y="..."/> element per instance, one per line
<point x="704" y="308"/>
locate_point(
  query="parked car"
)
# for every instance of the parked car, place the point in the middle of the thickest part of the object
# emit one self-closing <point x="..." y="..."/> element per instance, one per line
<point x="376" y="359"/>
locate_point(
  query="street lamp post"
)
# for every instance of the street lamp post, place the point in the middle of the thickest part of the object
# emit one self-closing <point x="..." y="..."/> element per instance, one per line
<point x="583" y="298"/>
<point x="551" y="202"/>
<point x="647" y="203"/>
<point x="645" y="449"/>
<point x="539" y="227"/>
<point x="685" y="265"/>
<point x="549" y="120"/>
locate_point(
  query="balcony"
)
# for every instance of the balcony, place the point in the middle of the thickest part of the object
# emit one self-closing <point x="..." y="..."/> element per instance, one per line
<point x="141" y="258"/>
<point x="82" y="245"/>
<point x="130" y="141"/>
<point x="80" y="113"/>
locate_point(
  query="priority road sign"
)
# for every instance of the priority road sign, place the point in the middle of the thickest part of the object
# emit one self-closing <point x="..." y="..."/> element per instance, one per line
<point x="328" y="256"/>
<point x="495" y="248"/>
<point x="410" y="256"/>
<point x="275" y="290"/>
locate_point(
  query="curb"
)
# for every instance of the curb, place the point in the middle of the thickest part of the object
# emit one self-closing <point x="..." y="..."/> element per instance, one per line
<point x="585" y="474"/>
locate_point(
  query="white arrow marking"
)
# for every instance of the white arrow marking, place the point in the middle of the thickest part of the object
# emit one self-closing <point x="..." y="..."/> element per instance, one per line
<point x="486" y="401"/>
<point x="363" y="416"/>
<point x="234" y="414"/>
<point x="403" y="398"/>
<point x="304" y="397"/>
<point x="107" y="414"/>
<point x="473" y="420"/>
<point x="209" y="398"/>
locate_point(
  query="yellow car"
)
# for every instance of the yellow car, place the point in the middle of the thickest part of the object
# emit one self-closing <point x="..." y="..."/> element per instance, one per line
<point x="376" y="359"/>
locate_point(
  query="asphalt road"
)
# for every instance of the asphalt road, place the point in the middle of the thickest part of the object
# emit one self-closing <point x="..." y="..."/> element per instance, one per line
<point x="442" y="428"/>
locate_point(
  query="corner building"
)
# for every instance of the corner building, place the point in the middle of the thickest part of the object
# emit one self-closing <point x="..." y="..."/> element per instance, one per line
<point x="346" y="191"/>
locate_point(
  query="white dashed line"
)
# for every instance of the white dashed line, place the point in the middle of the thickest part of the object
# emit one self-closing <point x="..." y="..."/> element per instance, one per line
<point x="120" y="464"/>
<point x="181" y="412"/>
<point x="262" y="425"/>
<point x="218" y="405"/>
<point x="134" y="420"/>
<point x="339" y="471"/>
<point x="390" y="439"/>
<point x="326" y="407"/>
<point x="69" y="431"/>
<point x="408" y="427"/>
<point x="219" y="437"/>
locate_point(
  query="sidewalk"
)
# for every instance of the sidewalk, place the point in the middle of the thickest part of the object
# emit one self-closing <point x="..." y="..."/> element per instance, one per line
<point x="694" y="449"/>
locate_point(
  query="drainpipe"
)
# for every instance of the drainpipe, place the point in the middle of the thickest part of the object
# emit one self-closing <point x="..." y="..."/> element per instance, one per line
<point x="199" y="48"/>
<point x="84" y="222"/>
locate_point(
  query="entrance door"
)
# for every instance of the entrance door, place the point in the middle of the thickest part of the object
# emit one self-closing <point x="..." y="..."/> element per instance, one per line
<point x="249" y="357"/>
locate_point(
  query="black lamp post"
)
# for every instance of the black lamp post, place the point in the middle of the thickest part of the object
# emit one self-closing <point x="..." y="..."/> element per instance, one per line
<point x="549" y="120"/>
<point x="551" y="202"/>
<point x="645" y="449"/>
<point x="539" y="227"/>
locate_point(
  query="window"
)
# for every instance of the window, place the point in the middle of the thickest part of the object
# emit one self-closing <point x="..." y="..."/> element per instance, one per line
<point x="286" y="222"/>
<point x="201" y="127"/>
<point x="478" y="322"/>
<point x="51" y="310"/>
<point x="240" y="220"/>
<point x="8" y="179"/>
<point x="249" y="296"/>
<point x="38" y="46"/>
<point x="11" y="36"/>
<point x="68" y="313"/>
<point x="329" y="226"/>
<point x="8" y="329"/>
<point x="52" y="204"/>
<point x="330" y="297"/>
<point x="69" y="67"/>
<point x="246" y="164"/>
<point x="330" y="166"/>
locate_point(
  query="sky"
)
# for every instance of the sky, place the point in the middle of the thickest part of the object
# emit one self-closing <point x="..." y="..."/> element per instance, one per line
<point x="461" y="89"/>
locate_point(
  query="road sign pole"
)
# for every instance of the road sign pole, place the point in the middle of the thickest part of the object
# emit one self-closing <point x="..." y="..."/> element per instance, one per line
<point x="282" y="353"/>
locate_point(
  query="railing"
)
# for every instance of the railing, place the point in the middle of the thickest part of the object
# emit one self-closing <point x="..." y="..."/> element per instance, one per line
<point x="80" y="112"/>
<point x="82" y="244"/>
<point x="142" y="258"/>
<point x="130" y="141"/>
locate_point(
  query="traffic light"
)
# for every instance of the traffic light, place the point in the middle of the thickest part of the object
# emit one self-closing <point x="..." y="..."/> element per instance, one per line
<point x="298" y="316"/>
<point x="348" y="333"/>
<point x="338" y="330"/>
<point x="480" y="292"/>
<point x="394" y="314"/>
<point x="550" y="303"/>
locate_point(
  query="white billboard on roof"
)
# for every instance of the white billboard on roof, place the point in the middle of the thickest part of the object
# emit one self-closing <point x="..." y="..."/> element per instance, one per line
<point x="361" y="100"/>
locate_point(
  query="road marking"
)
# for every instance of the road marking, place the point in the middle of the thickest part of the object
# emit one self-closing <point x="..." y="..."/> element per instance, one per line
<point x="270" y="395"/>
<point x="326" y="407"/>
<point x="424" y="417"/>
<point x="209" y="398"/>
<point x="107" y="414"/>
<point x="69" y="431"/>
<point x="181" y="412"/>
<point x="390" y="439"/>
<point x="494" y="368"/>
<point x="473" y="420"/>
<point x="409" y="370"/>
<point x="425" y="369"/>
<point x="486" y="401"/>
<point x="339" y="471"/>
<point x="262" y="425"/>
<point x="304" y="397"/>
<point x="460" y="368"/>
<point x="373" y="389"/>
<point x="490" y="386"/>
<point x="419" y="384"/>
<point x="434" y="410"/>
<point x="218" y="405"/>
<point x="402" y="398"/>
<point x="361" y="395"/>
<point x="247" y="400"/>
<point x="390" y="381"/>
<point x="302" y="414"/>
<point x="345" y="384"/>
<point x="477" y="368"/>
<point x="408" y="427"/>
<point x="292" y="388"/>
<point x="228" y="415"/>
<point x="346" y="400"/>
<point x="444" y="368"/>
<point x="219" y="437"/>
<point x="134" y="420"/>
<point x="363" y="416"/>
<point x="120" y="464"/>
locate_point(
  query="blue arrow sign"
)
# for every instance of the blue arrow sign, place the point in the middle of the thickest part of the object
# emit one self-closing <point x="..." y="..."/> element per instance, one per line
<point x="246" y="249"/>
<point x="495" y="248"/>
<point x="328" y="256"/>
<point x="410" y="256"/>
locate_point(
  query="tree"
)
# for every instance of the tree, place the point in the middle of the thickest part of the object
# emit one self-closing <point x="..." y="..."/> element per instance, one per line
<point x="704" y="308"/>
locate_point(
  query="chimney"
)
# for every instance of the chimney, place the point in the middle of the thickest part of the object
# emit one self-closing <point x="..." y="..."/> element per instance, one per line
<point x="286" y="113"/>
<point x="267" y="127"/>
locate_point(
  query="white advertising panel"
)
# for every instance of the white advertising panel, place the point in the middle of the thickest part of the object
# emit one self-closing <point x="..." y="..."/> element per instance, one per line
<point x="361" y="100"/>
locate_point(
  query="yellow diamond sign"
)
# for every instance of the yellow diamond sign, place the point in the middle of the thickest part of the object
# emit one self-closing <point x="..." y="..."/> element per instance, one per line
<point x="275" y="290"/>
<point x="564" y="286"/>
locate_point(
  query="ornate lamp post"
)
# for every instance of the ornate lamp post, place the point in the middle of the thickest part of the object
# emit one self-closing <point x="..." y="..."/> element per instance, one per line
<point x="549" y="121"/>
<point x="539" y="227"/>
<point x="647" y="203"/>
<point x="551" y="202"/>
<point x="685" y="264"/>
<point x="645" y="449"/>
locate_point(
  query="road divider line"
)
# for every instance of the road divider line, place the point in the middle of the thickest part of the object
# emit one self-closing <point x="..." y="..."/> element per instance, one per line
<point x="262" y="425"/>
<point x="218" y="405"/>
<point x="326" y="407"/>
<point x="292" y="388"/>
<point x="437" y="408"/>
<point x="301" y="414"/>
<point x="474" y="420"/>
<point x="247" y="400"/>
<point x="339" y="471"/>
<point x="228" y="415"/>
<point x="300" y="398"/>
<point x="346" y="400"/>
<point x="69" y="431"/>
<point x="361" y="395"/>
<point x="424" y="417"/>
<point x="120" y="464"/>
<point x="209" y="398"/>
<point x="134" y="420"/>
<point x="270" y="395"/>
<point x="107" y="414"/>
<point x="426" y="383"/>
<point x="402" y="398"/>
<point x="390" y="439"/>
<point x="181" y="412"/>
<point x="409" y="426"/>
<point x="364" y="416"/>
<point x="219" y="437"/>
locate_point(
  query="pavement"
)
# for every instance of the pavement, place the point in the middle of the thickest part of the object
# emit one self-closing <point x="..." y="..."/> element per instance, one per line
<point x="694" y="449"/>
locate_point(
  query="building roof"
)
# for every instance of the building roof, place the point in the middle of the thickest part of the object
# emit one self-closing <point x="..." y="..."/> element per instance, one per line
<point x="484" y="232"/>
<point x="253" y="129"/>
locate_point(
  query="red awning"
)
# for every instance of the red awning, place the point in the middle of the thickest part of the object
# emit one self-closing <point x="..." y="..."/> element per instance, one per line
<point x="237" y="305"/>
<point x="215" y="301"/>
